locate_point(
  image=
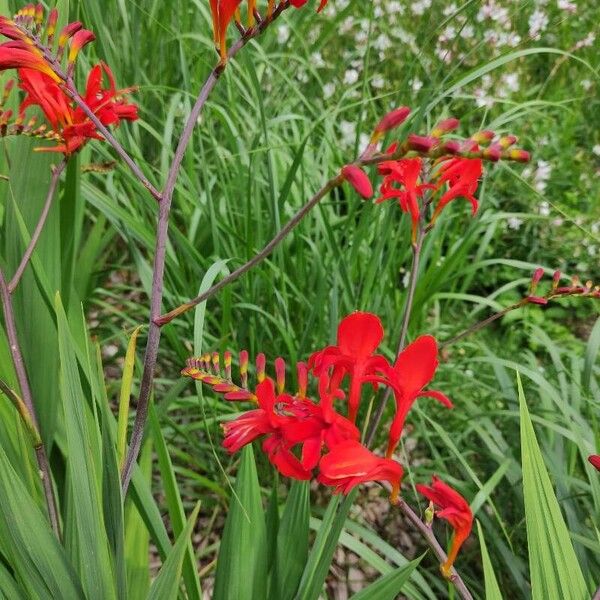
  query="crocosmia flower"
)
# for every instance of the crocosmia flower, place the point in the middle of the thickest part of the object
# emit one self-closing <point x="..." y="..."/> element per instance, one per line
<point x="301" y="3"/>
<point x="402" y="182"/>
<point x="350" y="464"/>
<point x="412" y="372"/>
<point x="462" y="176"/>
<point x="595" y="461"/>
<point x="358" y="336"/>
<point x="71" y="126"/>
<point x="359" y="180"/>
<point x="453" y="508"/>
<point x="222" y="12"/>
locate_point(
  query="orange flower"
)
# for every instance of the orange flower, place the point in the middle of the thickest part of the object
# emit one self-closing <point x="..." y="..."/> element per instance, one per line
<point x="454" y="509"/>
<point x="222" y="12"/>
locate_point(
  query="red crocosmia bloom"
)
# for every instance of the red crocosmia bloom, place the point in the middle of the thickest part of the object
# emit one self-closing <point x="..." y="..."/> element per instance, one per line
<point x="454" y="509"/>
<point x="406" y="173"/>
<point x="270" y="419"/>
<point x="413" y="370"/>
<point x="358" y="179"/>
<point x="594" y="460"/>
<point x="358" y="336"/>
<point x="20" y="54"/>
<point x="71" y="125"/>
<point x="222" y="12"/>
<point x="462" y="176"/>
<point x="350" y="464"/>
<point x="301" y="3"/>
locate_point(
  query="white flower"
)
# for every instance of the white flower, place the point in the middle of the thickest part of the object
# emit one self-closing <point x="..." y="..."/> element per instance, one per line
<point x="596" y="149"/>
<point x="514" y="223"/>
<point x="348" y="131"/>
<point x="567" y="5"/>
<point x="317" y="60"/>
<point x="328" y="90"/>
<point x="283" y="34"/>
<point x="538" y="21"/>
<point x="544" y="209"/>
<point x="586" y="84"/>
<point x="350" y="76"/>
<point x="378" y="82"/>
<point x="416" y="84"/>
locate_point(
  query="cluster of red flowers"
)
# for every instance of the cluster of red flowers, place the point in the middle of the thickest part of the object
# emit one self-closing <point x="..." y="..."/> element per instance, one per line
<point x="225" y="11"/>
<point x="302" y="437"/>
<point x="448" y="169"/>
<point x="39" y="59"/>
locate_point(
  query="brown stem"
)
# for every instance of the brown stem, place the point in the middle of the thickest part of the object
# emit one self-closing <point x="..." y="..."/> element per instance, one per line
<point x="597" y="595"/>
<point x="161" y="245"/>
<point x="56" y="173"/>
<point x="19" y="365"/>
<point x="432" y="542"/>
<point x="257" y="258"/>
<point x="484" y="323"/>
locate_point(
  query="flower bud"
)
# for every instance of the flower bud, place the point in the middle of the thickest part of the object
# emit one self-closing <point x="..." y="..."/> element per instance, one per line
<point x="244" y="368"/>
<point x="261" y="363"/>
<point x="483" y="137"/>
<point x="507" y="141"/>
<point x="451" y="147"/>
<point x="493" y="152"/>
<point x="421" y="143"/>
<point x="280" y="374"/>
<point x="518" y="155"/>
<point x="302" y="372"/>
<point x="390" y="121"/>
<point x="445" y="126"/>
<point x="358" y="179"/>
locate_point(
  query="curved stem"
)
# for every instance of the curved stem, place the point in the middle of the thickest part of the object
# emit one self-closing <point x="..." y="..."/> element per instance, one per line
<point x="19" y="365"/>
<point x="432" y="542"/>
<point x="56" y="173"/>
<point x="161" y="245"/>
<point x="257" y="258"/>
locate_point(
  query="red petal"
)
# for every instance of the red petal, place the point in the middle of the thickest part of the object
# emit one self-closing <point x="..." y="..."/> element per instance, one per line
<point x="359" y="334"/>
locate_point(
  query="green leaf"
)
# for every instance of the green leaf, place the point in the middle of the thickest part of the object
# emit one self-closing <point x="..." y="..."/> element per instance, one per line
<point x="242" y="562"/>
<point x="37" y="559"/>
<point x="125" y="395"/>
<point x="292" y="542"/>
<point x="85" y="533"/>
<point x="321" y="554"/>
<point x="554" y="570"/>
<point x="389" y="586"/>
<point x="492" y="590"/>
<point x="174" y="505"/>
<point x="591" y="353"/>
<point x="166" y="585"/>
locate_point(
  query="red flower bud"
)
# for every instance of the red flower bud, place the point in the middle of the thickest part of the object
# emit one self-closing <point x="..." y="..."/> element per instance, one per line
<point x="261" y="363"/>
<point x="451" y="147"/>
<point x="483" y="137"/>
<point x="594" y="460"/>
<point x="518" y="155"/>
<point x="280" y="374"/>
<point x="537" y="300"/>
<point x="493" y="152"/>
<point x="390" y="121"/>
<point x="507" y="141"/>
<point x="445" y="126"/>
<point x="421" y="143"/>
<point x="358" y="179"/>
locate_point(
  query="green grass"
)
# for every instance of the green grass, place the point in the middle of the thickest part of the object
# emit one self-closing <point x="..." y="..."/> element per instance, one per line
<point x="272" y="115"/>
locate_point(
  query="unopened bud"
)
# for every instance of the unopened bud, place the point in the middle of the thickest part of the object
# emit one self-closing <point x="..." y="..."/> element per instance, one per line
<point x="484" y="137"/>
<point x="429" y="514"/>
<point x="445" y="126"/>
<point x="421" y="143"/>
<point x="359" y="180"/>
<point x="280" y="374"/>
<point x="244" y="368"/>
<point x="555" y="279"/>
<point x="493" y="153"/>
<point x="451" y="147"/>
<point x="227" y="364"/>
<point x="507" y="141"/>
<point x="390" y="121"/>
<point x="261" y="363"/>
<point x="302" y="372"/>
<point x="518" y="155"/>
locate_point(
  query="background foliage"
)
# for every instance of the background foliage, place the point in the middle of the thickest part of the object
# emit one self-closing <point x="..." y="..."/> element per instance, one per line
<point x="288" y="112"/>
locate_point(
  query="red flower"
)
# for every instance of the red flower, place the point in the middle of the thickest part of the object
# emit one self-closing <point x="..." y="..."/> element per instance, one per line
<point x="273" y="413"/>
<point x="358" y="336"/>
<point x="71" y="125"/>
<point x="222" y="12"/>
<point x="358" y="179"/>
<point x="595" y="461"/>
<point x="350" y="463"/>
<point x="462" y="176"/>
<point x="406" y="173"/>
<point x="21" y="55"/>
<point x="413" y="370"/>
<point x="455" y="510"/>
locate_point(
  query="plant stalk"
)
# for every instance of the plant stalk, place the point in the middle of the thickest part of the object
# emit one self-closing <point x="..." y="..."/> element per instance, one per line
<point x="56" y="173"/>
<point x="161" y="246"/>
<point x="19" y="365"/>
